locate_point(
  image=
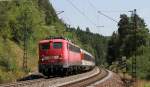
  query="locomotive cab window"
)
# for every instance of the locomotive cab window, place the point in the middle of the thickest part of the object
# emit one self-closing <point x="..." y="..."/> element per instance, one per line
<point x="57" y="45"/>
<point x="45" y="46"/>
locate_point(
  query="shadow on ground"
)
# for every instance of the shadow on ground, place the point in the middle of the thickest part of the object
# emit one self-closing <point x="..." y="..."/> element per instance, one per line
<point x="31" y="77"/>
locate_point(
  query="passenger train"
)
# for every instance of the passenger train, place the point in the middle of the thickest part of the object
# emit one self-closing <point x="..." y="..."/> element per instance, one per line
<point x="58" y="55"/>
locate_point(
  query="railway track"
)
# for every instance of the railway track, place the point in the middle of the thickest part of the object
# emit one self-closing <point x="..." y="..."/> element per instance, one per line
<point x="78" y="80"/>
<point x="87" y="81"/>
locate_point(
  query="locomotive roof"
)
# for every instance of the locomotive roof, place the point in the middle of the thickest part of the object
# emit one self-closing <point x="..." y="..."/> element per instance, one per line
<point x="48" y="40"/>
<point x="57" y="37"/>
<point x="44" y="41"/>
<point x="53" y="37"/>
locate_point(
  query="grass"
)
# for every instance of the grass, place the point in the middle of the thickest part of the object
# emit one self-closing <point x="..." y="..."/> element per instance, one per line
<point x="11" y="56"/>
<point x="147" y="85"/>
<point x="142" y="83"/>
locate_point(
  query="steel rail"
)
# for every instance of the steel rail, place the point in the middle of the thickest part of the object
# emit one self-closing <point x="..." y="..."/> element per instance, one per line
<point x="87" y="81"/>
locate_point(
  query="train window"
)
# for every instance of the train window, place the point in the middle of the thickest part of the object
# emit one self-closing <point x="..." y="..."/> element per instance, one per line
<point x="74" y="48"/>
<point x="67" y="46"/>
<point x="57" y="45"/>
<point x="44" y="46"/>
<point x="88" y="57"/>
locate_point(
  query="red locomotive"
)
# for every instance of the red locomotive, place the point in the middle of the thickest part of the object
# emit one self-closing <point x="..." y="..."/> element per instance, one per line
<point x="58" y="55"/>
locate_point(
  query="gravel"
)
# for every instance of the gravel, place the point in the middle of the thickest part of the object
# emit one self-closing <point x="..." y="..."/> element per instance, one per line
<point x="113" y="81"/>
<point x="55" y="82"/>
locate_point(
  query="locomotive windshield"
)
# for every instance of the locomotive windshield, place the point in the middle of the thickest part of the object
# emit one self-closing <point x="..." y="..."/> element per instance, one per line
<point x="44" y="46"/>
<point x="57" y="45"/>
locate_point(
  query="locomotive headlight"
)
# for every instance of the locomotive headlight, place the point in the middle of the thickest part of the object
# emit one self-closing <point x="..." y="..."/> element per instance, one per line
<point x="55" y="57"/>
<point x="45" y="58"/>
<point x="42" y="59"/>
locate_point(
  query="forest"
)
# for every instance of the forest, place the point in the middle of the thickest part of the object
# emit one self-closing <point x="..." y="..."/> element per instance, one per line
<point x="36" y="20"/>
<point x="39" y="20"/>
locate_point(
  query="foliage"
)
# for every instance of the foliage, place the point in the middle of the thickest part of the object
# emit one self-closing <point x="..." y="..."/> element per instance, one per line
<point x="36" y="20"/>
<point x="26" y="18"/>
<point x="131" y="40"/>
<point x="128" y="38"/>
<point x="4" y="24"/>
<point x="50" y="14"/>
<point x="16" y="18"/>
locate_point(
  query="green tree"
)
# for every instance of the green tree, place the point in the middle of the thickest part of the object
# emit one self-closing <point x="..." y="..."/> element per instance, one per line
<point x="24" y="17"/>
<point x="50" y="14"/>
<point x="112" y="52"/>
<point x="4" y="20"/>
<point x="87" y="30"/>
<point x="128" y="38"/>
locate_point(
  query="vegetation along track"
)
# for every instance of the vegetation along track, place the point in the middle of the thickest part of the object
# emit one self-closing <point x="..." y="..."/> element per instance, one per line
<point x="83" y="79"/>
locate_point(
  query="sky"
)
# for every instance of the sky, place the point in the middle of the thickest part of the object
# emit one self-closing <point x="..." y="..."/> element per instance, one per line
<point x="84" y="13"/>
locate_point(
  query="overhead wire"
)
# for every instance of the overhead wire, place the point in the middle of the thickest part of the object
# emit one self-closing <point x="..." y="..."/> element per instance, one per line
<point x="94" y="9"/>
<point x="110" y="18"/>
<point x="113" y="11"/>
<point x="74" y="6"/>
<point x="107" y="16"/>
<point x="92" y="5"/>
